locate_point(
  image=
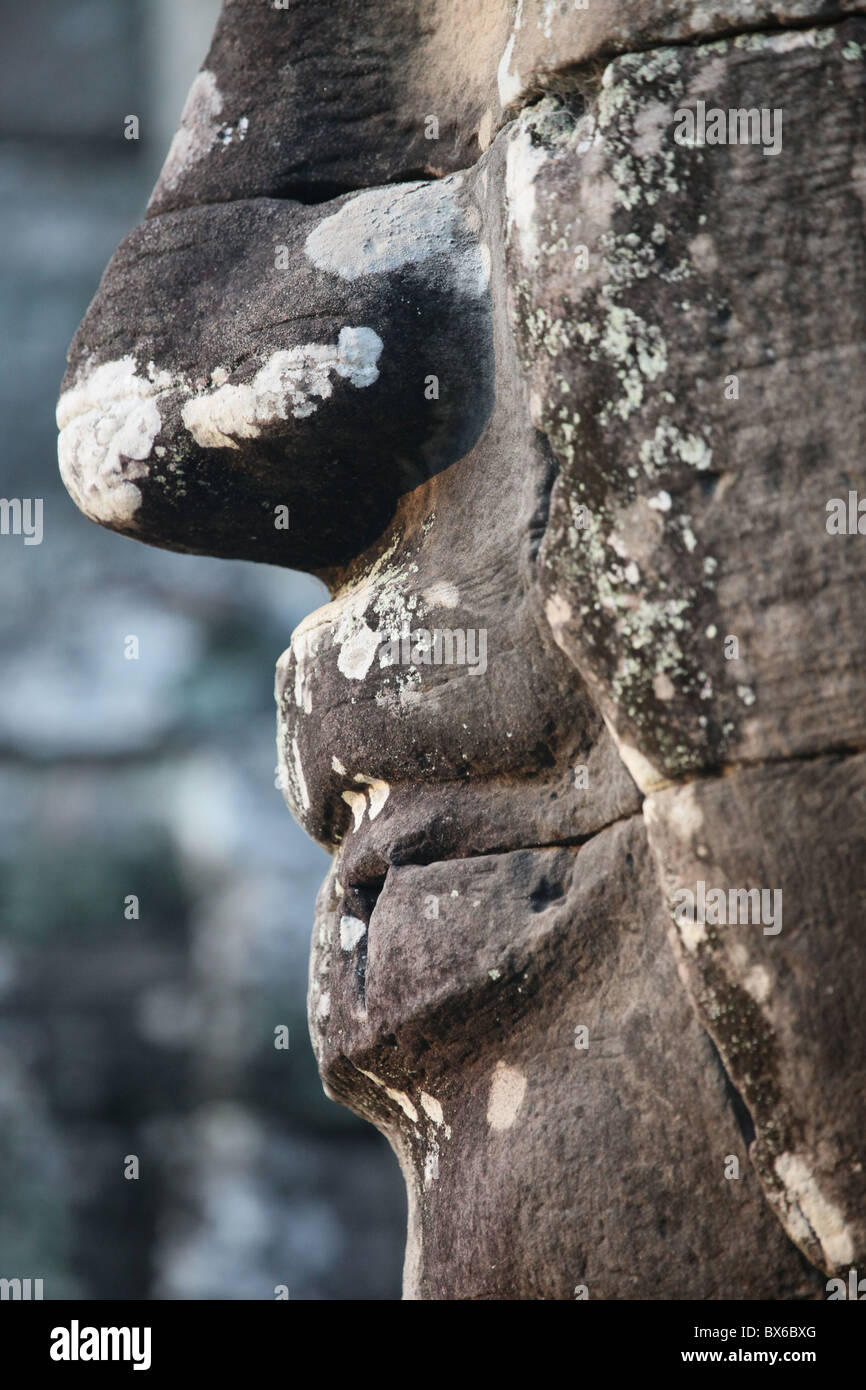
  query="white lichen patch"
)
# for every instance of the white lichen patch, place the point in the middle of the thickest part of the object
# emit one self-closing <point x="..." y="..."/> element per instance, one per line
<point x="298" y="782"/>
<point x="352" y="930"/>
<point x="809" y="1208"/>
<point x="541" y="136"/>
<point x="321" y="957"/>
<point x="108" y="423"/>
<point x="758" y="983"/>
<point x="432" y="1108"/>
<point x="638" y="352"/>
<point x="431" y="1163"/>
<point x="651" y="128"/>
<point x="384" y="593"/>
<point x="373" y="797"/>
<point x="347" y="634"/>
<point x="669" y="444"/>
<point x="557" y="611"/>
<point x="293" y="783"/>
<point x="227" y="134"/>
<point x="109" y="420"/>
<point x="357" y="652"/>
<point x="382" y="230"/>
<point x="792" y="39"/>
<point x="198" y="130"/>
<point x="304" y="649"/>
<point x="685" y="813"/>
<point x="507" y="1090"/>
<point x="647" y="777"/>
<point x="357" y="803"/>
<point x="378" y="792"/>
<point x="292" y="381"/>
<point x="485" y="129"/>
<point x="692" y="933"/>
<point x="703" y="254"/>
<point x="663" y="686"/>
<point x="524" y="161"/>
<point x="399" y="1097"/>
<point x="341" y="624"/>
<point x="661" y="502"/>
<point x="443" y="594"/>
<point x="641" y="159"/>
<point x="648" y="629"/>
<point x="508" y="81"/>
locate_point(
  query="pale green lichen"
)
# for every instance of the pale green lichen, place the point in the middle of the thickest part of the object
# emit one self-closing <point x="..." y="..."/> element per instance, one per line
<point x="668" y="444"/>
<point x="785" y="41"/>
<point x="637" y="622"/>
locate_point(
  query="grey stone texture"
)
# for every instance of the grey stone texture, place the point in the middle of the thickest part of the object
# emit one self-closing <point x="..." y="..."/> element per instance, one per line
<point x="546" y="372"/>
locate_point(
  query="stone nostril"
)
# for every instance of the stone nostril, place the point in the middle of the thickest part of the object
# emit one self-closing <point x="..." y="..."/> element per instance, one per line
<point x="708" y="482"/>
<point x="544" y="893"/>
<point x="361" y="972"/>
<point x="359" y="903"/>
<point x="361" y="898"/>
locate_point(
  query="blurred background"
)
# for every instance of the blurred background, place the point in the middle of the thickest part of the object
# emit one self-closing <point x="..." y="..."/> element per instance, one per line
<point x="149" y="1036"/>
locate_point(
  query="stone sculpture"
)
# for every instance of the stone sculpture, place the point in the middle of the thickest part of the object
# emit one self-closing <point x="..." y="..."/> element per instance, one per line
<point x="536" y="329"/>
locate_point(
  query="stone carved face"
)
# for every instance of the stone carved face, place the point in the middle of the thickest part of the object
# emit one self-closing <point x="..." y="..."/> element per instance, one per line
<point x="431" y="302"/>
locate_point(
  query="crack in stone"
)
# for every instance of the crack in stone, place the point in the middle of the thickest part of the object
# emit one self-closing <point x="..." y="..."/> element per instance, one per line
<point x="567" y="842"/>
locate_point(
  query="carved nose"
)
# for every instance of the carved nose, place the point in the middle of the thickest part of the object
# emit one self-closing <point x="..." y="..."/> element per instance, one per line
<point x="261" y="375"/>
<point x="253" y="379"/>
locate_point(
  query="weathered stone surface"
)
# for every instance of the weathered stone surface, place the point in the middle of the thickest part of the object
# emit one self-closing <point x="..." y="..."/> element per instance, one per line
<point x="228" y="342"/>
<point x="308" y="99"/>
<point x="602" y="1167"/>
<point x="683" y="518"/>
<point x="782" y="994"/>
<point x="526" y="435"/>
<point x="705" y="516"/>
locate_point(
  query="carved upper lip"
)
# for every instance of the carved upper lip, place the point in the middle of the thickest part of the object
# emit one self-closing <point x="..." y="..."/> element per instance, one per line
<point x="398" y="761"/>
